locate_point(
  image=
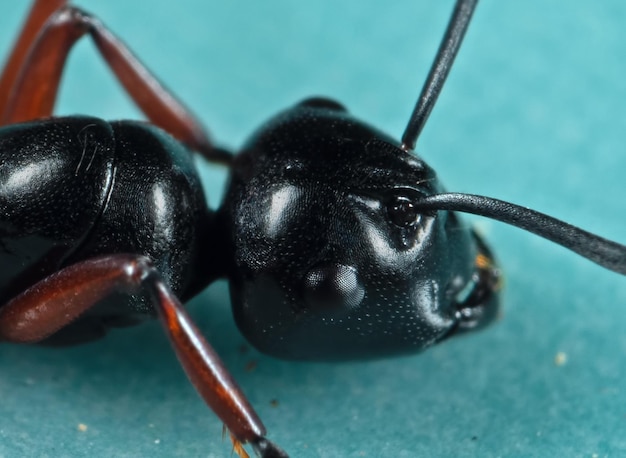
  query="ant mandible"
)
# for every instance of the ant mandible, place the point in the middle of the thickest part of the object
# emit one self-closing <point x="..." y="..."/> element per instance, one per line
<point x="337" y="240"/>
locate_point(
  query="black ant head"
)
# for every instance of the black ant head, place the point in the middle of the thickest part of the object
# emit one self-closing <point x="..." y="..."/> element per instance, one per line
<point x="332" y="258"/>
<point x="344" y="244"/>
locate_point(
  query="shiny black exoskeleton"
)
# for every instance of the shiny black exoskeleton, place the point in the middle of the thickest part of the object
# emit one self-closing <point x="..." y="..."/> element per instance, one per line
<point x="78" y="187"/>
<point x="331" y="258"/>
<point x="338" y="241"/>
<point x="325" y="256"/>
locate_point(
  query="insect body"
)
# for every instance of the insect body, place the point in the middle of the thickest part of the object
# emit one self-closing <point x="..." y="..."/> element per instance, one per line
<point x="326" y="259"/>
<point x="65" y="204"/>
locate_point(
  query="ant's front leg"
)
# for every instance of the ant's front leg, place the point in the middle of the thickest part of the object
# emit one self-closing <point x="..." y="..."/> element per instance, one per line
<point x="62" y="297"/>
<point x="30" y="81"/>
<point x="40" y="11"/>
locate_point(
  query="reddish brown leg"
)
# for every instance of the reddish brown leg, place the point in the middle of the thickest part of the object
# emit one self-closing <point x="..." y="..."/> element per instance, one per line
<point x="60" y="298"/>
<point x="33" y="93"/>
<point x="40" y="11"/>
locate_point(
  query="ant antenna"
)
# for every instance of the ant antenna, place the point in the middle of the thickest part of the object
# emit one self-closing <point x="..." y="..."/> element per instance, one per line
<point x="439" y="70"/>
<point x="608" y="254"/>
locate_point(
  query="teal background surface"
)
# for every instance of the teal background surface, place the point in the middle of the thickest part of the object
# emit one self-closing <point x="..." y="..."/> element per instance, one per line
<point x="534" y="113"/>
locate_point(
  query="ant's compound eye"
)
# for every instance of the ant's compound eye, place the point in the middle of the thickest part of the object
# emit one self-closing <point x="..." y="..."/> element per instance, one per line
<point x="402" y="212"/>
<point x="333" y="286"/>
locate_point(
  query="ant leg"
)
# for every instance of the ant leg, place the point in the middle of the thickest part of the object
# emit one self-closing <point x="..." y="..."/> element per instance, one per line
<point x="35" y="89"/>
<point x="62" y="297"/>
<point x="40" y="11"/>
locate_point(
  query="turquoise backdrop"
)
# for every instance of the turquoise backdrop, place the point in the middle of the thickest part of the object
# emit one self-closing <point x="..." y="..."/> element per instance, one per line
<point x="534" y="112"/>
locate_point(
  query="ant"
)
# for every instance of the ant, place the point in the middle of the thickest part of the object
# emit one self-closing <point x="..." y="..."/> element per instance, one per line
<point x="295" y="298"/>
